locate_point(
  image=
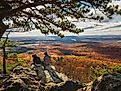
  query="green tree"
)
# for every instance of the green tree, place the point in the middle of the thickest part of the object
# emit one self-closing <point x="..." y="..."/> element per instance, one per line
<point x="6" y="43"/>
<point x="9" y="43"/>
<point x="49" y="16"/>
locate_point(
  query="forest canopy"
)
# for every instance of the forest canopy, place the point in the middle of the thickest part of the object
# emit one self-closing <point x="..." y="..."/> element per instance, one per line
<point x="50" y="16"/>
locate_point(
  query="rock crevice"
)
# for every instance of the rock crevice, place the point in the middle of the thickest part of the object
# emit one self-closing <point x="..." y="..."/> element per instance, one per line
<point x="25" y="79"/>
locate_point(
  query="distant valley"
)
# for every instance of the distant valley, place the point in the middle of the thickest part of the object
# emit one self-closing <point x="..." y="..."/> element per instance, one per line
<point x="66" y="39"/>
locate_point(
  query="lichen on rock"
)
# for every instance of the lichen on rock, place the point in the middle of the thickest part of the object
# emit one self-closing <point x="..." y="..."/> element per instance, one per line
<point x="106" y="82"/>
<point x="25" y="79"/>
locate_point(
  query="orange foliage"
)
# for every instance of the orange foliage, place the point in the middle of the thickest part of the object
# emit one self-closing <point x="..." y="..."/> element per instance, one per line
<point x="77" y="59"/>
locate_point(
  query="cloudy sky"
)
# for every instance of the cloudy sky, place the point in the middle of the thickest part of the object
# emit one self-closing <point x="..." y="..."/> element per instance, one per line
<point x="107" y="27"/>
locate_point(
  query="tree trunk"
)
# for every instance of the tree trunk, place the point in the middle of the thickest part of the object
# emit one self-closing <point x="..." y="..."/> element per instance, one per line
<point x="4" y="61"/>
<point x="3" y="28"/>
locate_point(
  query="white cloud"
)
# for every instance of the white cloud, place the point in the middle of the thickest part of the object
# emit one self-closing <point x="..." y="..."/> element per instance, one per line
<point x="93" y="27"/>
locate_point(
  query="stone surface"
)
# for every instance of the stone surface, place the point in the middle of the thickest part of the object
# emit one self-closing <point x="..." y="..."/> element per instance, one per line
<point x="106" y="82"/>
<point x="25" y="79"/>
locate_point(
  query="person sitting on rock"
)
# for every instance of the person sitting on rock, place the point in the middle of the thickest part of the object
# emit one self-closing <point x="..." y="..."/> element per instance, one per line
<point x="39" y="69"/>
<point x="36" y="60"/>
<point x="47" y="59"/>
<point x="48" y="67"/>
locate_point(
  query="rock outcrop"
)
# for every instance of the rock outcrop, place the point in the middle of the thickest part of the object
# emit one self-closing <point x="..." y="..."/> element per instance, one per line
<point x="25" y="79"/>
<point x="106" y="82"/>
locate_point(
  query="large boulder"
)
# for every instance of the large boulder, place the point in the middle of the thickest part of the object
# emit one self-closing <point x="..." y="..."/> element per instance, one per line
<point x="106" y="82"/>
<point x="25" y="79"/>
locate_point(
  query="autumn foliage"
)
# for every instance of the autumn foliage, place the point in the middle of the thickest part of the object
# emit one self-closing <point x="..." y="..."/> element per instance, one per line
<point x="81" y="61"/>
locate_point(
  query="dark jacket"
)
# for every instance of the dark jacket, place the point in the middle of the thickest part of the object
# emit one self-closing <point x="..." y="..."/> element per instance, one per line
<point x="37" y="60"/>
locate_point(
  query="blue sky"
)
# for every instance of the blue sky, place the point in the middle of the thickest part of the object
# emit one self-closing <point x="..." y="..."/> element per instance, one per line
<point x="93" y="28"/>
<point x="110" y="27"/>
